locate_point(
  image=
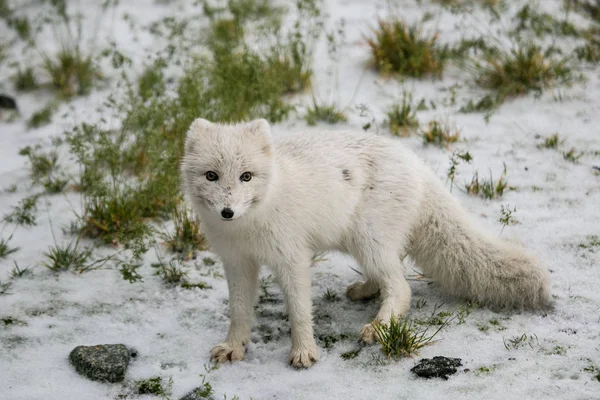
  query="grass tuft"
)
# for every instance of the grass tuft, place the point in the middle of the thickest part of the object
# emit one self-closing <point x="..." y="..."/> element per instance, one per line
<point x="330" y="296"/>
<point x="186" y="238"/>
<point x="520" y="71"/>
<point x="399" y="48"/>
<point x="572" y="155"/>
<point x="18" y="272"/>
<point x="519" y="341"/>
<point x="327" y="113"/>
<point x="155" y="386"/>
<point x="45" y="169"/>
<point x="440" y="134"/>
<point x="24" y="213"/>
<point x="553" y="141"/>
<point x="25" y="80"/>
<point x="71" y="257"/>
<point x="5" y="249"/>
<point x="5" y="288"/>
<point x="400" y="338"/>
<point x="487" y="188"/>
<point x="172" y="273"/>
<point x="402" y="118"/>
<point x="71" y="73"/>
<point x="41" y="117"/>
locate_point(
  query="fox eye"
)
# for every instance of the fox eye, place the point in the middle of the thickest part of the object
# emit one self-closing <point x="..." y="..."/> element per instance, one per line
<point x="212" y="176"/>
<point x="246" y="176"/>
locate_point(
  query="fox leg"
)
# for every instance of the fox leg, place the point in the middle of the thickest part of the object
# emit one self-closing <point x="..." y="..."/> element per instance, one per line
<point x="242" y="281"/>
<point x="293" y="276"/>
<point x="366" y="290"/>
<point x="385" y="271"/>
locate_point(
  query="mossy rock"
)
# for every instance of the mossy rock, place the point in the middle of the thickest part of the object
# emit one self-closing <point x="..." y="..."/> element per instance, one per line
<point x="105" y="363"/>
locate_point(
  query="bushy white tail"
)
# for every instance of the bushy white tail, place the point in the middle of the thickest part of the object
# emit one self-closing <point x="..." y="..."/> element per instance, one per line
<point x="472" y="264"/>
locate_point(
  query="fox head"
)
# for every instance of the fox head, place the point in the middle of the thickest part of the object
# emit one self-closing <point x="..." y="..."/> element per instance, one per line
<point x="227" y="169"/>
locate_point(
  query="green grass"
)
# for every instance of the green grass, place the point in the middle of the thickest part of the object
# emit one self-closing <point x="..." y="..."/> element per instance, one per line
<point x="18" y="272"/>
<point x="155" y="386"/>
<point x="350" y="355"/>
<point x="403" y="49"/>
<point x="506" y="216"/>
<point x="402" y="117"/>
<point x="68" y="257"/>
<point x="440" y="134"/>
<point x="455" y="159"/>
<point x="5" y="249"/>
<point x="519" y="341"/>
<point x="45" y="169"/>
<point x="487" y="188"/>
<point x="186" y="238"/>
<point x="592" y="242"/>
<point x="553" y="141"/>
<point x="114" y="215"/>
<point x="541" y="23"/>
<point x="590" y="8"/>
<point x="572" y="155"/>
<point x="401" y="338"/>
<point x="25" y="80"/>
<point x="331" y="296"/>
<point x="41" y="117"/>
<point x="152" y="81"/>
<point x="327" y="113"/>
<point x="24" y="213"/>
<point x="71" y="72"/>
<point x="172" y="273"/>
<point x="522" y="70"/>
<point x="5" y="288"/>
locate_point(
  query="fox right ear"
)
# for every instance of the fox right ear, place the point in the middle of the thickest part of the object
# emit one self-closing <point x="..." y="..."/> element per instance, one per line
<point x="196" y="130"/>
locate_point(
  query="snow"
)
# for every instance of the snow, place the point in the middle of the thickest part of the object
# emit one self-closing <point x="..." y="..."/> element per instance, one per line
<point x="174" y="329"/>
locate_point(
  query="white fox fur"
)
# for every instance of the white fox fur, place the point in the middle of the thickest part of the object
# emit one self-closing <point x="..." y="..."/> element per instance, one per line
<point x="362" y="194"/>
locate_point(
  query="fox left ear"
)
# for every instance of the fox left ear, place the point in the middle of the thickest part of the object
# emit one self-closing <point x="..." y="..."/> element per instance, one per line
<point x="260" y="127"/>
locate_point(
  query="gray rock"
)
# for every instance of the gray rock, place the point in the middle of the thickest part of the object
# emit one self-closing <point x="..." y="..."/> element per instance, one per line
<point x="105" y="363"/>
<point x="438" y="367"/>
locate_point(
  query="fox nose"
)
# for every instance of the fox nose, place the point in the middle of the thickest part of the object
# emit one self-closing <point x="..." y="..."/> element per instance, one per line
<point x="227" y="213"/>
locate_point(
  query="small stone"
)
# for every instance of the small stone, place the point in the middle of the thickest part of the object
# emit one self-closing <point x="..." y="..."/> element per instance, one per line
<point x="105" y="363"/>
<point x="7" y="102"/>
<point x="438" y="367"/>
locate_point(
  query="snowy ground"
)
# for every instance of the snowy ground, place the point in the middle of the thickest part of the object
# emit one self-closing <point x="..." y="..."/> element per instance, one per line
<point x="558" y="209"/>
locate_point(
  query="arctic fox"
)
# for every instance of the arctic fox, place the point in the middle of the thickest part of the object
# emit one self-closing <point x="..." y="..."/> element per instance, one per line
<point x="279" y="202"/>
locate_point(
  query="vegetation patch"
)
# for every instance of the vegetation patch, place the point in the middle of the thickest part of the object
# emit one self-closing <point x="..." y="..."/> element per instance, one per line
<point x="402" y="117"/>
<point x="440" y="134"/>
<point x="487" y="188"/>
<point x="401" y="338"/>
<point x="403" y="49"/>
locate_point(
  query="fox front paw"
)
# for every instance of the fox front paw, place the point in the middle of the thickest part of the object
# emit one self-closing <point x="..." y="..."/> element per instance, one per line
<point x="303" y="357"/>
<point x="227" y="352"/>
<point x="368" y="334"/>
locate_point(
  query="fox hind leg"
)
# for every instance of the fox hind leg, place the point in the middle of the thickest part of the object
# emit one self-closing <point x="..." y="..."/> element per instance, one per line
<point x="366" y="290"/>
<point x="385" y="272"/>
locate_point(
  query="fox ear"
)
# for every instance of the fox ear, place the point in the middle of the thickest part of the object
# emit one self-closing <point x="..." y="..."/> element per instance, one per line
<point x="260" y="127"/>
<point x="200" y="125"/>
<point x="196" y="130"/>
<point x="260" y="130"/>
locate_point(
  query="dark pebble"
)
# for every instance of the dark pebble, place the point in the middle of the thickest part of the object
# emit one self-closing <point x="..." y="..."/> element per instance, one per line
<point x="437" y="367"/>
